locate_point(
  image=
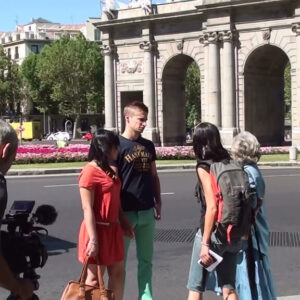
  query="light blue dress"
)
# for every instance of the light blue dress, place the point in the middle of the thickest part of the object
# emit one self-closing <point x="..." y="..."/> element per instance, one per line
<point x="260" y="286"/>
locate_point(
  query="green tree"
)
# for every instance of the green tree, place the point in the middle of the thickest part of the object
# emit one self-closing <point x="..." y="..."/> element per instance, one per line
<point x="287" y="91"/>
<point x="15" y="96"/>
<point x="3" y="82"/>
<point x="35" y="90"/>
<point x="10" y="83"/>
<point x="73" y="69"/>
<point x="193" y="95"/>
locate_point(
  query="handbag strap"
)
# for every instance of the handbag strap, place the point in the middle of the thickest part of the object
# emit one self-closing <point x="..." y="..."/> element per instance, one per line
<point x="99" y="275"/>
<point x="83" y="273"/>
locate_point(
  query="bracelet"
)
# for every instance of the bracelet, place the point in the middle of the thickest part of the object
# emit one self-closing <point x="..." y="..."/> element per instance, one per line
<point x="93" y="241"/>
<point x="205" y="244"/>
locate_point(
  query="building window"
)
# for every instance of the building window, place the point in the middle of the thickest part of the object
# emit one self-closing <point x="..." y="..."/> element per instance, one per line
<point x="16" y="52"/>
<point x="57" y="35"/>
<point x="73" y="36"/>
<point x="35" y="49"/>
<point x="97" y="35"/>
<point x="9" y="52"/>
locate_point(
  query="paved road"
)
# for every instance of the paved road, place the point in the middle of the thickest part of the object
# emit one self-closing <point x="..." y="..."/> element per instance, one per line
<point x="174" y="233"/>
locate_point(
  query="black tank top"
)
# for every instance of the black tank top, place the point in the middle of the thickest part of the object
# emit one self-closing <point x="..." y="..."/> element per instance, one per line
<point x="205" y="165"/>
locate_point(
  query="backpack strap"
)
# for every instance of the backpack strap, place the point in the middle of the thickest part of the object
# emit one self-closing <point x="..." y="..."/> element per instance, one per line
<point x="218" y="197"/>
<point x="207" y="162"/>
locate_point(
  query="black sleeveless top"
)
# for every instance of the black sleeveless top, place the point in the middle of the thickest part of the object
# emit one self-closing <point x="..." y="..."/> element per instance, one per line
<point x="205" y="165"/>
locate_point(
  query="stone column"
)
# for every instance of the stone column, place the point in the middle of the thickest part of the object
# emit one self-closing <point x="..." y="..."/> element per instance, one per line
<point x="149" y="94"/>
<point x="228" y="89"/>
<point x="213" y="101"/>
<point x="296" y="101"/>
<point x="109" y="88"/>
<point x="204" y="96"/>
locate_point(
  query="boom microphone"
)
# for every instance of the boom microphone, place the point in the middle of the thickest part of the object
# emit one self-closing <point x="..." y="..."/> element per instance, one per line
<point x="45" y="214"/>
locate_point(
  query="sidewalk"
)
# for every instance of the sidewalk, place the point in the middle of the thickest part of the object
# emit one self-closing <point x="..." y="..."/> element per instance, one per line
<point x="160" y="167"/>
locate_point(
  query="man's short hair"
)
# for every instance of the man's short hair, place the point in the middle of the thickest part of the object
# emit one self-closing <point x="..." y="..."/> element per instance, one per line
<point x="7" y="134"/>
<point x="135" y="105"/>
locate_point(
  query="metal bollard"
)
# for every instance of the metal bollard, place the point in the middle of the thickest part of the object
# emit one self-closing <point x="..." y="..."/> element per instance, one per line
<point x="293" y="154"/>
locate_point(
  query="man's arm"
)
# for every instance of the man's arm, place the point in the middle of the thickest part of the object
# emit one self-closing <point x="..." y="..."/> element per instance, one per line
<point x="8" y="281"/>
<point x="20" y="287"/>
<point x="211" y="209"/>
<point x="125" y="224"/>
<point x="157" y="191"/>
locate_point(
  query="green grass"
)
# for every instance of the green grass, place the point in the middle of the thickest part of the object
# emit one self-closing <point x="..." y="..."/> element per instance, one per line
<point x="275" y="157"/>
<point x="264" y="158"/>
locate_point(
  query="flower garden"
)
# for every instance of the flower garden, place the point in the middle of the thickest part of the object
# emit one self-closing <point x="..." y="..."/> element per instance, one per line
<point x="30" y="154"/>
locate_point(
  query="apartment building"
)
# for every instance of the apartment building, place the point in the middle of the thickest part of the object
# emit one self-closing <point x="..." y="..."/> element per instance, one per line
<point x="33" y="36"/>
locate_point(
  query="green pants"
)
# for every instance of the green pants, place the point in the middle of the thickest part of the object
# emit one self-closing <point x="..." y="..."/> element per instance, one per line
<point x="143" y="223"/>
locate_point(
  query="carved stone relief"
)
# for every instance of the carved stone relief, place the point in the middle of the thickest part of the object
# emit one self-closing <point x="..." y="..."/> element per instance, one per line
<point x="131" y="67"/>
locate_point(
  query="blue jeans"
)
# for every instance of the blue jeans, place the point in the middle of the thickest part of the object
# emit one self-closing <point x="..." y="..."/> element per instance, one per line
<point x="225" y="270"/>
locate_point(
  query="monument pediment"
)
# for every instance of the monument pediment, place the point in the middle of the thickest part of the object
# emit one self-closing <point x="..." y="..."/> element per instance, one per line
<point x="231" y="3"/>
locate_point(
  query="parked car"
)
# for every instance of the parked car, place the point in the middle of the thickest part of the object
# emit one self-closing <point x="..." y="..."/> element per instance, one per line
<point x="59" y="136"/>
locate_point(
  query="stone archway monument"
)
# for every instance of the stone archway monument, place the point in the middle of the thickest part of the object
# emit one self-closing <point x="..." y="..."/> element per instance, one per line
<point x="240" y="46"/>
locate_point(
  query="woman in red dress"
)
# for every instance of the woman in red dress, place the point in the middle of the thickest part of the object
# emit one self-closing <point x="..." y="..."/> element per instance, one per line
<point x="100" y="234"/>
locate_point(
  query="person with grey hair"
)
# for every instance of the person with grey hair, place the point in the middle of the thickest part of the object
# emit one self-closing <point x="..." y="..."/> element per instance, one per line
<point x="8" y="149"/>
<point x="246" y="148"/>
<point x="254" y="258"/>
<point x="253" y="275"/>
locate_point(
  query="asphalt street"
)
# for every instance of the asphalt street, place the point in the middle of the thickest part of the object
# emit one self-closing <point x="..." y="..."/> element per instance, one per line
<point x="174" y="236"/>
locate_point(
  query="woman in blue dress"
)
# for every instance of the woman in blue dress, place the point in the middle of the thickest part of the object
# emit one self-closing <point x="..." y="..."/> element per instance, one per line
<point x="253" y="274"/>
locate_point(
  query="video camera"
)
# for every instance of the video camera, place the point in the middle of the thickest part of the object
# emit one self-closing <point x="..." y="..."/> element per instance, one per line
<point x="21" y="244"/>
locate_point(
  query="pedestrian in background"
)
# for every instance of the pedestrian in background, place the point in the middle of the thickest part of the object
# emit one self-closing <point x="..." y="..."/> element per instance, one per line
<point x="140" y="193"/>
<point x="208" y="149"/>
<point x="100" y="235"/>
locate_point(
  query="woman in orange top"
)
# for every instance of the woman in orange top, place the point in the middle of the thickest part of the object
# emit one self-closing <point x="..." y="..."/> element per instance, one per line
<point x="100" y="235"/>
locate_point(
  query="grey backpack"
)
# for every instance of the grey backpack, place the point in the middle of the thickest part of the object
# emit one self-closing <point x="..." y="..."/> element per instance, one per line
<point x="233" y="195"/>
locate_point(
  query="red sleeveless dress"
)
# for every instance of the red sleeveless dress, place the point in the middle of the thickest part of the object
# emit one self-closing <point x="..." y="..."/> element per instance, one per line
<point x="106" y="209"/>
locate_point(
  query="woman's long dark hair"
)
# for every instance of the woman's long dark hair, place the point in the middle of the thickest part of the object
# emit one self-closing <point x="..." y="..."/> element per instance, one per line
<point x="102" y="143"/>
<point x="207" y="143"/>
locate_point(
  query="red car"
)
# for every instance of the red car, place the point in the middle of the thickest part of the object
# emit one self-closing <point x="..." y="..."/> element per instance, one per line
<point x="88" y="136"/>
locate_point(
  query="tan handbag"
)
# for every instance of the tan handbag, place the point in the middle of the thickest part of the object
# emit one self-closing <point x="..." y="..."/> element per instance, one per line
<point x="78" y="290"/>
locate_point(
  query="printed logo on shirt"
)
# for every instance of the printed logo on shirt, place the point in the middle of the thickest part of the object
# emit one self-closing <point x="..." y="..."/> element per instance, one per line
<point x="140" y="157"/>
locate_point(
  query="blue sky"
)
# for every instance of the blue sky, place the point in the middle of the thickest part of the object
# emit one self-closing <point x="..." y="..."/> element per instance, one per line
<point x="21" y="12"/>
<point x="61" y="11"/>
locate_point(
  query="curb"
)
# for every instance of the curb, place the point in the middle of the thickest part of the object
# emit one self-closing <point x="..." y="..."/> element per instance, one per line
<point x="182" y="167"/>
<point x="52" y="171"/>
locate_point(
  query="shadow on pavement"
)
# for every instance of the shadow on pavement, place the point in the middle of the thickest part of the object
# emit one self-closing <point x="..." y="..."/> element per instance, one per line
<point x="56" y="246"/>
